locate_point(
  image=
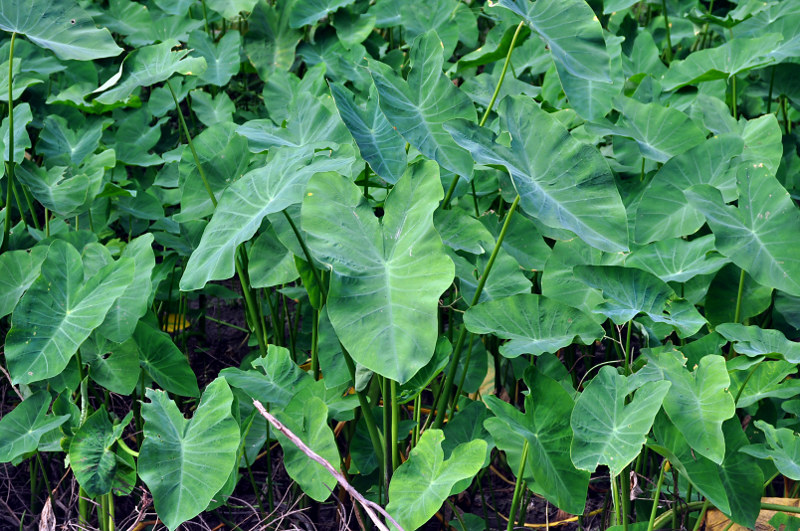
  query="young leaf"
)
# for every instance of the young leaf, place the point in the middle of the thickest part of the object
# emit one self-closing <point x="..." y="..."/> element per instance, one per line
<point x="782" y="446"/>
<point x="607" y="430"/>
<point x="387" y="274"/>
<point x="185" y="462"/>
<point x="421" y="484"/>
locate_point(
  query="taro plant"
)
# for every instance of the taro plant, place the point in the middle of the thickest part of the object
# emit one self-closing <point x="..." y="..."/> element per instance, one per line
<point x="270" y="262"/>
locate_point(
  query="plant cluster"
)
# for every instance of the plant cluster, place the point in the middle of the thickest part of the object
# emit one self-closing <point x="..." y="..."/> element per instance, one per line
<point x="550" y="239"/>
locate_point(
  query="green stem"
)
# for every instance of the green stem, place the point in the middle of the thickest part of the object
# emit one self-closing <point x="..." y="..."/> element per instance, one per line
<point x="771" y="84"/>
<point x="615" y="500"/>
<point x="111" y="524"/>
<point x="205" y="18"/>
<point x="252" y="478"/>
<point x="518" y="487"/>
<point x="656" y="496"/>
<point x="744" y="383"/>
<point x="307" y="254"/>
<point x="463" y="375"/>
<point x="737" y="313"/>
<point x="787" y="125"/>
<point x="441" y="406"/>
<point x="315" y="345"/>
<point x="225" y="323"/>
<point x="485" y="116"/>
<point x="388" y="446"/>
<point x="699" y="521"/>
<point x="395" y="425"/>
<point x="734" y="108"/>
<point x="29" y="201"/>
<point x="83" y="506"/>
<point x="668" y="51"/>
<point x="628" y="349"/>
<point x="417" y="419"/>
<point x="125" y="448"/>
<point x="191" y="146"/>
<point x="250" y="304"/>
<point x="10" y="147"/>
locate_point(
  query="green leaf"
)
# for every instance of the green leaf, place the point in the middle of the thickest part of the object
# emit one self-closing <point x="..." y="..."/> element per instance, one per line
<point x="164" y="362"/>
<point x="678" y="260"/>
<point x="782" y="446"/>
<point x="697" y="402"/>
<point x="421" y="484"/>
<point x="270" y="43"/>
<point x="387" y="274"/>
<point x="758" y="235"/>
<point x="629" y="292"/>
<point x="270" y="263"/>
<point x="121" y="319"/>
<point x="244" y="205"/>
<point x="722" y="62"/>
<point x="723" y="292"/>
<point x="419" y="107"/>
<point x="222" y="57"/>
<point x="545" y="425"/>
<point x="23" y="427"/>
<point x="768" y="379"/>
<point x="231" y="9"/>
<point x="307" y="417"/>
<point x="20" y="269"/>
<point x="607" y="430"/>
<point x="380" y="145"/>
<point x="212" y="110"/>
<point x="663" y="211"/>
<point x="571" y="31"/>
<point x="556" y="176"/>
<point x="590" y="98"/>
<point x="91" y="457"/>
<point x="734" y="487"/>
<point x="185" y="462"/>
<point x="61" y="26"/>
<point x="755" y="341"/>
<point x="274" y="379"/>
<point x="114" y="366"/>
<point x="507" y="278"/>
<point x="149" y="65"/>
<point x="533" y="323"/>
<point x="59" y="311"/>
<point x="58" y="191"/>
<point x="63" y="145"/>
<point x="462" y="232"/>
<point x="306" y="12"/>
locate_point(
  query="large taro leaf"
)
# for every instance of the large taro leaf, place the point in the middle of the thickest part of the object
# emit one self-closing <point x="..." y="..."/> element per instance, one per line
<point x="722" y="62"/>
<point x="607" y="430"/>
<point x="270" y="43"/>
<point x="378" y="142"/>
<point x="244" y="205"/>
<point x="758" y="236"/>
<point x="698" y="402"/>
<point x="149" y="65"/>
<point x="312" y="124"/>
<point x="114" y="366"/>
<point x="661" y="132"/>
<point x="572" y="32"/>
<point x="678" y="260"/>
<point x="222" y="58"/>
<point x="782" y="446"/>
<point x="91" y="456"/>
<point x="307" y="417"/>
<point x="121" y="319"/>
<point x="23" y="427"/>
<point x="545" y="425"/>
<point x="734" y="487"/>
<point x="533" y="323"/>
<point x="629" y="292"/>
<point x="57" y="190"/>
<point x="387" y="274"/>
<point x="20" y="269"/>
<point x="779" y="17"/>
<point x="766" y="379"/>
<point x="663" y="211"/>
<point x="306" y="12"/>
<point x="61" y="26"/>
<point x="562" y="182"/>
<point x="164" y="361"/>
<point x="185" y="462"/>
<point x="59" y="311"/>
<point x="421" y="484"/>
<point x="756" y="341"/>
<point x="419" y="106"/>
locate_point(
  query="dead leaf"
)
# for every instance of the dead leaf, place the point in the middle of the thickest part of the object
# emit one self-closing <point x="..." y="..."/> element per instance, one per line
<point x="716" y="521"/>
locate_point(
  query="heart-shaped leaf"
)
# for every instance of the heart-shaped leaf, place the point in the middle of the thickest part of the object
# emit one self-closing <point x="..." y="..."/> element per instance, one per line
<point x="90" y="453"/>
<point x="23" y="427"/>
<point x="382" y="300"/>
<point x="185" y="462"/>
<point x="757" y="341"/>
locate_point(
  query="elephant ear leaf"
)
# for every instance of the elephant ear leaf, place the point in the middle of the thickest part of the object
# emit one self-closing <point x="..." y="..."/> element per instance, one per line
<point x="23" y="427"/>
<point x="421" y="484"/>
<point x="60" y="25"/>
<point x="183" y="462"/>
<point x="91" y="456"/>
<point x="59" y="311"/>
<point x="390" y="287"/>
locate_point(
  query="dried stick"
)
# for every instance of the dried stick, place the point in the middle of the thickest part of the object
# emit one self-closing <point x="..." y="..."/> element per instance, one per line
<point x="369" y="507"/>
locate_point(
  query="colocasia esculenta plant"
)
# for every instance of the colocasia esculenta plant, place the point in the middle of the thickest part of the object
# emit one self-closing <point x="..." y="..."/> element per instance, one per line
<point x="399" y="264"/>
